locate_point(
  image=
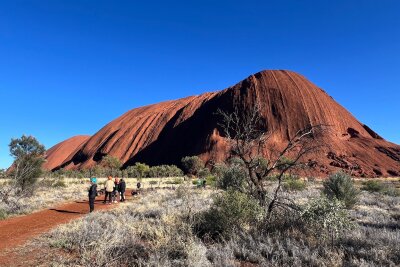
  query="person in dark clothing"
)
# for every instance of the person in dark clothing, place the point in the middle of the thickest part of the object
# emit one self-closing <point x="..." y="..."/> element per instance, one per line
<point x="122" y="189"/>
<point x="92" y="193"/>
<point x="138" y="185"/>
<point x="116" y="190"/>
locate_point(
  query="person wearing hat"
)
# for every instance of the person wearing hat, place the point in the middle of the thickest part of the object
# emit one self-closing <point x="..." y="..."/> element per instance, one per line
<point x="92" y="193"/>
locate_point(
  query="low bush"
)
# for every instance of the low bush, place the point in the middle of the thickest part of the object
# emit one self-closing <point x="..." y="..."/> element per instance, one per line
<point x="374" y="186"/>
<point x="232" y="177"/>
<point x="293" y="184"/>
<point x="231" y="211"/>
<point x="328" y="218"/>
<point x="341" y="186"/>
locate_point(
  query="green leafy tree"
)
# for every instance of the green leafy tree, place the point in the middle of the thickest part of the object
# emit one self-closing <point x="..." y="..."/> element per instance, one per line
<point x="192" y="165"/>
<point x="113" y="164"/>
<point x="29" y="156"/>
<point x="139" y="170"/>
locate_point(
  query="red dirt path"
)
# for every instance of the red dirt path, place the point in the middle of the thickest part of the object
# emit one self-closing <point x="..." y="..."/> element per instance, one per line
<point x="15" y="232"/>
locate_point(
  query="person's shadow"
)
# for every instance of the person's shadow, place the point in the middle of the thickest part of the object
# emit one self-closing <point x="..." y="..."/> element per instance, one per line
<point x="66" y="211"/>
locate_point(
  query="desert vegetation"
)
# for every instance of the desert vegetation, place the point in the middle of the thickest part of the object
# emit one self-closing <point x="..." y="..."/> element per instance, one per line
<point x="211" y="227"/>
<point x="255" y="212"/>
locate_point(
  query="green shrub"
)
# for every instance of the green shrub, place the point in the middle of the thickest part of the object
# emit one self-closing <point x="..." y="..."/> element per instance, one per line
<point x="293" y="184"/>
<point x="192" y="165"/>
<point x="233" y="177"/>
<point x="374" y="186"/>
<point x="230" y="211"/>
<point x="211" y="180"/>
<point x="326" y="217"/>
<point x="341" y="186"/>
<point x="203" y="173"/>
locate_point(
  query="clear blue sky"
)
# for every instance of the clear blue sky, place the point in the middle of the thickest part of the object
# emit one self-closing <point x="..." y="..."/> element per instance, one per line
<point x="69" y="67"/>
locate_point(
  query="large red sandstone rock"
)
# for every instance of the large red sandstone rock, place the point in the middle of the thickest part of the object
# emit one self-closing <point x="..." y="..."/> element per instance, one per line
<point x="164" y="133"/>
<point x="63" y="151"/>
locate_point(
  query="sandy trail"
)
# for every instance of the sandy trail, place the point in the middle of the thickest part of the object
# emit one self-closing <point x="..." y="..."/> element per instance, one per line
<point x="15" y="232"/>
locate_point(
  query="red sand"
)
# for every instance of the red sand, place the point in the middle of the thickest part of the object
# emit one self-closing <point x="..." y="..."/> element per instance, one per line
<point x="16" y="231"/>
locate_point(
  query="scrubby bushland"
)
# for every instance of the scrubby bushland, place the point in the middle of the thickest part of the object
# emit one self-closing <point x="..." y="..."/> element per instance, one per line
<point x="380" y="187"/>
<point x="48" y="192"/>
<point x="141" y="170"/>
<point x="160" y="230"/>
<point x="341" y="186"/>
<point x="192" y="165"/>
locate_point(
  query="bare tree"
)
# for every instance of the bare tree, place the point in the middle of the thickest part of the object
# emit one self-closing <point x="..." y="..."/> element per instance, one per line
<point x="248" y="136"/>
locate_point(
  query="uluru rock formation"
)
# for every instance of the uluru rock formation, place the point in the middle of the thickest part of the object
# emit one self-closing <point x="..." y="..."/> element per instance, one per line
<point x="164" y="133"/>
<point x="63" y="151"/>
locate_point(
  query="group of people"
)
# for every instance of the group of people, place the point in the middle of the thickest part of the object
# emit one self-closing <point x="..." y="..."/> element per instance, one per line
<point x="114" y="191"/>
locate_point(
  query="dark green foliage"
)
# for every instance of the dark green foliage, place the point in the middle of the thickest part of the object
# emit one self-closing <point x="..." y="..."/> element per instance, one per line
<point x="341" y="186"/>
<point x="203" y="173"/>
<point x="113" y="164"/>
<point x="139" y="170"/>
<point x="232" y="177"/>
<point x="165" y="171"/>
<point x="231" y="211"/>
<point x="192" y="165"/>
<point x="28" y="156"/>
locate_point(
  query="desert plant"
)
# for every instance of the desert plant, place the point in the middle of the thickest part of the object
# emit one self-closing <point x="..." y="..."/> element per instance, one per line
<point x="247" y="133"/>
<point x="341" y="186"/>
<point x="203" y="173"/>
<point x="230" y="211"/>
<point x="28" y="156"/>
<point x="293" y="184"/>
<point x="232" y="177"/>
<point x="374" y="186"/>
<point x="139" y="170"/>
<point x="192" y="165"/>
<point x="328" y="218"/>
<point x="113" y="164"/>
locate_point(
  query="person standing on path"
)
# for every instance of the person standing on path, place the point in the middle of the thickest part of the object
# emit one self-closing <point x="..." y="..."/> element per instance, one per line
<point x="92" y="193"/>
<point x="122" y="189"/>
<point x="116" y="190"/>
<point x="109" y="188"/>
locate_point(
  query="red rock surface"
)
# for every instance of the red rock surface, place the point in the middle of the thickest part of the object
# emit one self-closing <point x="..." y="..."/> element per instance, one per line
<point x="65" y="150"/>
<point x="164" y="133"/>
